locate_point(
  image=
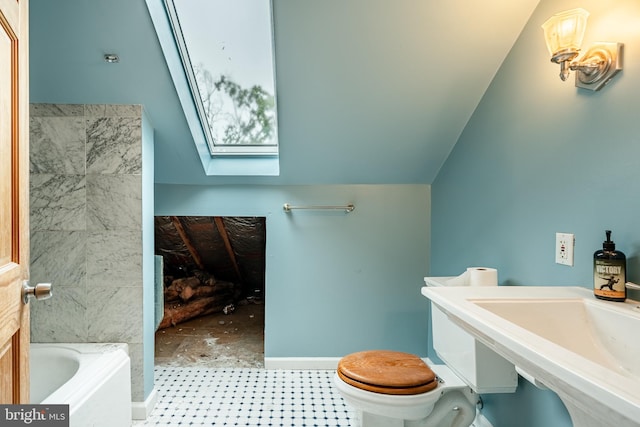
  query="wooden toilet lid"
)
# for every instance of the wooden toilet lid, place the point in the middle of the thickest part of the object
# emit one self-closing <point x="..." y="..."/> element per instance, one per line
<point x="388" y="372"/>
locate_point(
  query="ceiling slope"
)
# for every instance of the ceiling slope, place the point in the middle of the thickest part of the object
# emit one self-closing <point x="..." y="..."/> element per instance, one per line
<point x="369" y="91"/>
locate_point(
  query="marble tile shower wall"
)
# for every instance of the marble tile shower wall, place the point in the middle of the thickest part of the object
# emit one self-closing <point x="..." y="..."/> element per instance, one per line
<point x="86" y="225"/>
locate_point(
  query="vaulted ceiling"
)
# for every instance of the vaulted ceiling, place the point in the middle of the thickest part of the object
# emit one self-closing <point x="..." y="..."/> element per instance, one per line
<point x="369" y="91"/>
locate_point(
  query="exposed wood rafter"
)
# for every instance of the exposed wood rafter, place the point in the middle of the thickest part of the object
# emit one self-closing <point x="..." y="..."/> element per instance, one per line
<point x="187" y="242"/>
<point x="227" y="244"/>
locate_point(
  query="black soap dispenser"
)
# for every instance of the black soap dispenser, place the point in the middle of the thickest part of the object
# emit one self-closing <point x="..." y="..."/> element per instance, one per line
<point x="609" y="272"/>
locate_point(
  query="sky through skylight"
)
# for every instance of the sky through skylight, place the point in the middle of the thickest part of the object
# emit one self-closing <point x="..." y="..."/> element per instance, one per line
<point x="230" y="51"/>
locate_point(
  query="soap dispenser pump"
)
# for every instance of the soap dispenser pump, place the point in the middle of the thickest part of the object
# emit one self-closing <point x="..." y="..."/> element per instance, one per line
<point x="609" y="272"/>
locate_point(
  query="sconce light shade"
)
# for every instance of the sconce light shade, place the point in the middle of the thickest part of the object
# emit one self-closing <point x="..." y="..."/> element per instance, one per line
<point x="564" y="32"/>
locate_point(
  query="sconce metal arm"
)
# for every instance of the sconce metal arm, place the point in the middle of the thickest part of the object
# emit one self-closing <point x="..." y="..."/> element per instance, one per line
<point x="564" y="58"/>
<point x="593" y="66"/>
<point x="596" y="67"/>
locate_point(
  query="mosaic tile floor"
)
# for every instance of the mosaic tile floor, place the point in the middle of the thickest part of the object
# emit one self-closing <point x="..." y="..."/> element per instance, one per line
<point x="247" y="397"/>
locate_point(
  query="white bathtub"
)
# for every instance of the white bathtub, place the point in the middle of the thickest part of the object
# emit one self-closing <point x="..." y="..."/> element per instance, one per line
<point x="93" y="379"/>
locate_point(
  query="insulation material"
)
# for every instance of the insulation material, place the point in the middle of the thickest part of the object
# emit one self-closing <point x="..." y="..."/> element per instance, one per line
<point x="229" y="248"/>
<point x="248" y="237"/>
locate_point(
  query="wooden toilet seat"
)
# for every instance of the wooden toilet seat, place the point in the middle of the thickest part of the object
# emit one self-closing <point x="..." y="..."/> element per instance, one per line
<point x="387" y="372"/>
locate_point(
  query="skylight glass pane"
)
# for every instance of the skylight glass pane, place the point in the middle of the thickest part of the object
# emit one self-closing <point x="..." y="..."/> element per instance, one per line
<point x="227" y="51"/>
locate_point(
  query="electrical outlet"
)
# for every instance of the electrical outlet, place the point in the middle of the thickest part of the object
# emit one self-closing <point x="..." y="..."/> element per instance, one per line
<point x="564" y="248"/>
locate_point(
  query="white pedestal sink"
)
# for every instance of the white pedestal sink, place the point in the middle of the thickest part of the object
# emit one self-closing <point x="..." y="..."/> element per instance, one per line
<point x="584" y="349"/>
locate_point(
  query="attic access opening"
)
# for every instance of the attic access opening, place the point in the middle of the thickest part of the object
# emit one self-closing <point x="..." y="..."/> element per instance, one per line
<point x="214" y="270"/>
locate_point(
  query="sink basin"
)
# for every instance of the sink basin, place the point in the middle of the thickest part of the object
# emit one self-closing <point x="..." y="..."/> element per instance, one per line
<point x="601" y="333"/>
<point x="586" y="350"/>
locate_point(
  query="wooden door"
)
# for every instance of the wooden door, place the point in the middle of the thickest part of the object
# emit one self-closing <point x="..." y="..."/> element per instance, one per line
<point x="14" y="201"/>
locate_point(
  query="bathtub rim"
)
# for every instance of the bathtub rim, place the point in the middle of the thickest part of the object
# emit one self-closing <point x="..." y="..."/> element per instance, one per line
<point x="107" y="358"/>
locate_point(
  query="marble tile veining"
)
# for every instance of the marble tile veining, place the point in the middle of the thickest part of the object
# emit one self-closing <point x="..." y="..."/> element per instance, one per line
<point x="86" y="224"/>
<point x="47" y="323"/>
<point x="114" y="258"/>
<point x="119" y="311"/>
<point x="57" y="145"/>
<point x="114" y="202"/>
<point x="118" y="110"/>
<point x="95" y="110"/>
<point x="112" y="110"/>
<point x="137" y="368"/>
<point x="56" y="110"/>
<point x="59" y="258"/>
<point x="58" y="202"/>
<point x="113" y="145"/>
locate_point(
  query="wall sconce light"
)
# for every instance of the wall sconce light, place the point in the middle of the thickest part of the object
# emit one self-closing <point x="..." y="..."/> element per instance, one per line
<point x="563" y="33"/>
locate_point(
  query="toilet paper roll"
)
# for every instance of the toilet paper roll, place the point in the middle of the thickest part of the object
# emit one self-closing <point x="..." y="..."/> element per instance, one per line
<point x="475" y="276"/>
<point x="483" y="276"/>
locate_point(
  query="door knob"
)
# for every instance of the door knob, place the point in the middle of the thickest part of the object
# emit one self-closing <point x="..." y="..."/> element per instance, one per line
<point x="41" y="291"/>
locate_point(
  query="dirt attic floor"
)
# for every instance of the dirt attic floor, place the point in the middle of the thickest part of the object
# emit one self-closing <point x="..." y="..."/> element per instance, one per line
<point x="233" y="340"/>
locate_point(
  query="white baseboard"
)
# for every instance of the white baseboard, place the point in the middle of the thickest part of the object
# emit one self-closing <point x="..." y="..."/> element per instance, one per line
<point x="141" y="410"/>
<point x="301" y="362"/>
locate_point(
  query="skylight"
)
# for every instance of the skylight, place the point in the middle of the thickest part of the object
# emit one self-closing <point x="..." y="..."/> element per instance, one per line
<point x="226" y="48"/>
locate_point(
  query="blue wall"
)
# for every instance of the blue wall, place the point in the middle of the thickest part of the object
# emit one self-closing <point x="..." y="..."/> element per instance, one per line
<point x="335" y="282"/>
<point x="538" y="157"/>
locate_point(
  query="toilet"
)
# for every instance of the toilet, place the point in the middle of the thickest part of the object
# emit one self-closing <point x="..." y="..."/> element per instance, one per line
<point x="395" y="389"/>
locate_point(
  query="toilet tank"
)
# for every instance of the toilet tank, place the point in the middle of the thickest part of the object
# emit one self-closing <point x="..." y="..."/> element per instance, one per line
<point x="481" y="368"/>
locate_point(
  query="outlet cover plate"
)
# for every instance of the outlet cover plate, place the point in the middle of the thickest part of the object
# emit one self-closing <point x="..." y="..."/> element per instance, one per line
<point x="564" y="248"/>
